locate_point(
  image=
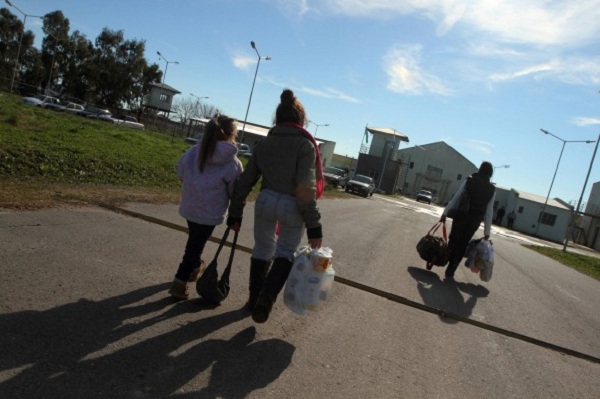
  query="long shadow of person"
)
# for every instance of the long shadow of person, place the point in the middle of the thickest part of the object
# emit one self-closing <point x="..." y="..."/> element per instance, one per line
<point x="239" y="365"/>
<point x="59" y="352"/>
<point x="446" y="296"/>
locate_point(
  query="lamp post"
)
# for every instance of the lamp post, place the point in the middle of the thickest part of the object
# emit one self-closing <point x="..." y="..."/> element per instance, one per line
<point x="556" y="170"/>
<point x="317" y="126"/>
<point x="582" y="191"/>
<point x="252" y="90"/>
<point x="197" y="98"/>
<point x="12" y="82"/>
<point x="167" y="66"/>
<point x="500" y="166"/>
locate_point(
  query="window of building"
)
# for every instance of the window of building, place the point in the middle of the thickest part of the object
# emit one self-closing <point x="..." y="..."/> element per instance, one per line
<point x="547" y="219"/>
<point x="164" y="98"/>
<point x="520" y="210"/>
<point x="412" y="165"/>
<point x="459" y="177"/>
<point x="433" y="172"/>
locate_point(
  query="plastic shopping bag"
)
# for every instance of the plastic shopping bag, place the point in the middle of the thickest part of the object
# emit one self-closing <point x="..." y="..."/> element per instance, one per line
<point x="480" y="258"/>
<point x="310" y="281"/>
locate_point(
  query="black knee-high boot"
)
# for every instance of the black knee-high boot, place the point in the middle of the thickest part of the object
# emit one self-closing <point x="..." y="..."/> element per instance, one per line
<point x="258" y="273"/>
<point x="273" y="284"/>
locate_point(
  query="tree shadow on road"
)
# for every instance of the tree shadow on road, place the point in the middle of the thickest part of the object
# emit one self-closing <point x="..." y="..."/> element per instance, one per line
<point x="128" y="346"/>
<point x="447" y="296"/>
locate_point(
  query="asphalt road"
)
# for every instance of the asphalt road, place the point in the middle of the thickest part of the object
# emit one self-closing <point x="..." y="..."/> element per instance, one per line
<point x="84" y="313"/>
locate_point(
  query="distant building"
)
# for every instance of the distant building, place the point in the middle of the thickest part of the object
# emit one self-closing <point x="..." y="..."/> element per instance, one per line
<point x="553" y="222"/>
<point x="160" y="98"/>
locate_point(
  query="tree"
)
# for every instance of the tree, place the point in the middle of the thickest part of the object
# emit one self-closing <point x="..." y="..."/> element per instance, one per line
<point x="54" y="47"/>
<point x="189" y="107"/>
<point x="10" y="35"/>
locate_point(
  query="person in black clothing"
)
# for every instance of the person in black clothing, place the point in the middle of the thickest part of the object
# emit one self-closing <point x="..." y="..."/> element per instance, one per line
<point x="482" y="194"/>
<point x="500" y="216"/>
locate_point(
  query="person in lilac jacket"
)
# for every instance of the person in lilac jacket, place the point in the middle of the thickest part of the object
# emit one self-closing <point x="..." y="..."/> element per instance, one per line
<point x="208" y="172"/>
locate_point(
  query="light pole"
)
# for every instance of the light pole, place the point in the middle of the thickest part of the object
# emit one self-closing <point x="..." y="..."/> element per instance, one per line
<point x="12" y="82"/>
<point x="197" y="98"/>
<point x="556" y="170"/>
<point x="317" y="126"/>
<point x="500" y="166"/>
<point x="48" y="86"/>
<point x="167" y="66"/>
<point x="252" y="90"/>
<point x="582" y="191"/>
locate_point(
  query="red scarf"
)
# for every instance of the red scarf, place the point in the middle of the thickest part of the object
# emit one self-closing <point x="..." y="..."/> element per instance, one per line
<point x="320" y="180"/>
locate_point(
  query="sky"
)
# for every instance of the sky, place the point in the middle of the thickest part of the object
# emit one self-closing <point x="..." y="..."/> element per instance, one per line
<point x="484" y="76"/>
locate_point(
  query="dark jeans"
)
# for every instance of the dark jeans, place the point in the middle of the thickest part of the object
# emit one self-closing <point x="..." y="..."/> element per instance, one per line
<point x="197" y="237"/>
<point x="462" y="231"/>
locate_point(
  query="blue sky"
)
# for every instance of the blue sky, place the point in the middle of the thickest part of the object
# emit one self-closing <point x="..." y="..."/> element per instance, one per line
<point x="484" y="76"/>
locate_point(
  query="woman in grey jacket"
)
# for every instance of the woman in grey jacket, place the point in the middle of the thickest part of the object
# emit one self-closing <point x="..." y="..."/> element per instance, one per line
<point x="289" y="163"/>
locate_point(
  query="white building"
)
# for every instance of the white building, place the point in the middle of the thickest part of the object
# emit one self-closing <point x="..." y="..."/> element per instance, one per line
<point x="554" y="219"/>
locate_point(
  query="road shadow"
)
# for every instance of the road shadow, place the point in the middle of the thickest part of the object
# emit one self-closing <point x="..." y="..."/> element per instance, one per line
<point x="126" y="347"/>
<point x="447" y="296"/>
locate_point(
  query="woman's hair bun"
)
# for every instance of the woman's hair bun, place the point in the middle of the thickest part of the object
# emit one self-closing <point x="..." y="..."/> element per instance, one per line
<point x="287" y="97"/>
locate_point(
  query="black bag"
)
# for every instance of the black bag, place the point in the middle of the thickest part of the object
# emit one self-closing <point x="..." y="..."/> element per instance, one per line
<point x="464" y="202"/>
<point x="208" y="286"/>
<point x="434" y="250"/>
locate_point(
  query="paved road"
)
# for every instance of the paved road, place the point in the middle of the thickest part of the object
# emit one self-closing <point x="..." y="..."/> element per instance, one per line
<point x="84" y="313"/>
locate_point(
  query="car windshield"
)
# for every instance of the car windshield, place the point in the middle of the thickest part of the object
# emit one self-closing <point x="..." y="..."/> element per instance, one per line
<point x="423" y="192"/>
<point x="363" y="179"/>
<point x="334" y="171"/>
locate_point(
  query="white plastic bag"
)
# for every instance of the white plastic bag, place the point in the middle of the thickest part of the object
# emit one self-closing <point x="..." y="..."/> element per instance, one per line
<point x="310" y="281"/>
<point x="480" y="258"/>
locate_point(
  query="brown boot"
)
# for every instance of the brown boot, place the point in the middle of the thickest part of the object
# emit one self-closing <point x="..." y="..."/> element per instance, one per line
<point x="179" y="289"/>
<point x="274" y="283"/>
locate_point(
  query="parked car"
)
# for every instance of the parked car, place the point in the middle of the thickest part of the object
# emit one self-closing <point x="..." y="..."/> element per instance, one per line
<point x="64" y="106"/>
<point x="129" y="121"/>
<point x="97" y="113"/>
<point x="244" y="150"/>
<point x="424" y="196"/>
<point x="73" y="108"/>
<point x="363" y="185"/>
<point x="40" y="100"/>
<point x="335" y="176"/>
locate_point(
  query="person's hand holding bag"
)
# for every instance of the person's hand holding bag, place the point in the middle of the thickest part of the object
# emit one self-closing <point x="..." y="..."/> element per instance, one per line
<point x="234" y="223"/>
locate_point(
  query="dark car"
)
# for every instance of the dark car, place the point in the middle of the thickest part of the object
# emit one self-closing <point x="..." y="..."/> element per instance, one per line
<point x="335" y="176"/>
<point x="363" y="185"/>
<point x="424" y="196"/>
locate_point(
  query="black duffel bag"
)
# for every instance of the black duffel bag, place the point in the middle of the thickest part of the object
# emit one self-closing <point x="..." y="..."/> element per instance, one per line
<point x="434" y="250"/>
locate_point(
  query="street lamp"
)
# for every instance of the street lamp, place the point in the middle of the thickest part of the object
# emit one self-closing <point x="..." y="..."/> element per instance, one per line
<point x="317" y="126"/>
<point x="252" y="90"/>
<point x="167" y="66"/>
<point x="582" y="191"/>
<point x="12" y="82"/>
<point x="197" y="98"/>
<point x="499" y="166"/>
<point x="556" y="170"/>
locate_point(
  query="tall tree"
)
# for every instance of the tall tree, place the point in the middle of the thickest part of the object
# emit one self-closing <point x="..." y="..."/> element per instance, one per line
<point x="54" y="47"/>
<point x="11" y="41"/>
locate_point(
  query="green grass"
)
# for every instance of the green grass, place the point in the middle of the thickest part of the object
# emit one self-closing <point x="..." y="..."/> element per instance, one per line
<point x="49" y="158"/>
<point x="588" y="265"/>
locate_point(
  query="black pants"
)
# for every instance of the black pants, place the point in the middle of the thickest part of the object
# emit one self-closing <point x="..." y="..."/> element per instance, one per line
<point x="197" y="237"/>
<point x="462" y="231"/>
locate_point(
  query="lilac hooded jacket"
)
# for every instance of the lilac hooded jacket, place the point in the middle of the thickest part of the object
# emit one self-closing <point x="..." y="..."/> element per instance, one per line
<point x="205" y="196"/>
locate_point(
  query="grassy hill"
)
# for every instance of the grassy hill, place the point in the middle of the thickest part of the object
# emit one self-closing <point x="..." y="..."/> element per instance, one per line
<point x="49" y="158"/>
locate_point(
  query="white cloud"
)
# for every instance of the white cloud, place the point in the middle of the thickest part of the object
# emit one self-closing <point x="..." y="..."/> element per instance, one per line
<point x="243" y="61"/>
<point x="573" y="70"/>
<point x="405" y="75"/>
<point x="480" y="146"/>
<point x="539" y="22"/>
<point x="329" y="93"/>
<point x="585" y="121"/>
